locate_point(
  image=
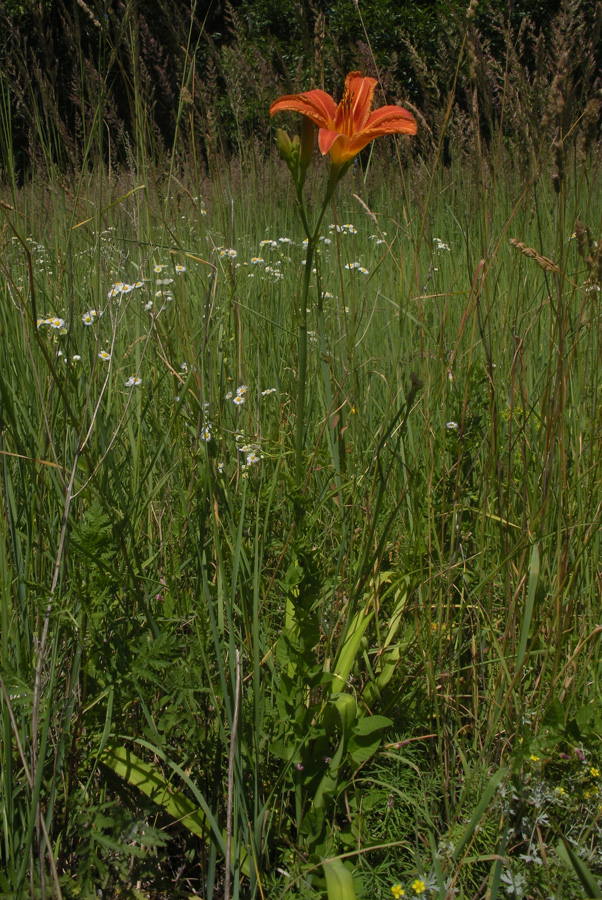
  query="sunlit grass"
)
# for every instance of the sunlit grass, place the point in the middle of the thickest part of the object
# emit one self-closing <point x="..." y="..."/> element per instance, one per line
<point x="448" y="573"/>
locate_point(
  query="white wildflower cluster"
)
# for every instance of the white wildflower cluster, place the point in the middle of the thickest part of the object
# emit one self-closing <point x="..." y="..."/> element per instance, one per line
<point x="53" y="322"/>
<point x="378" y="239"/>
<point x="91" y="316"/>
<point x="343" y="229"/>
<point x="358" y="266"/>
<point x="133" y="381"/>
<point x="202" y="209"/>
<point x="252" y="452"/>
<point x="239" y="398"/>
<point x="226" y="252"/>
<point x="273" y="273"/>
<point x="441" y="246"/>
<point x="207" y="429"/>
<point x="122" y="287"/>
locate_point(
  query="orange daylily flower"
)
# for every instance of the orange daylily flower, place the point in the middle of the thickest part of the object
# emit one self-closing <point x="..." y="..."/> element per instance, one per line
<point x="347" y="128"/>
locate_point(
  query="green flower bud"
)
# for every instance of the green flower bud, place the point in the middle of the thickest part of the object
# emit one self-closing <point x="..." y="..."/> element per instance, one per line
<point x="285" y="145"/>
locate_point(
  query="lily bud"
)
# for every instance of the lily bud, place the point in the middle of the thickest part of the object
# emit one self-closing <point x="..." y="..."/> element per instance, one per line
<point x="285" y="145"/>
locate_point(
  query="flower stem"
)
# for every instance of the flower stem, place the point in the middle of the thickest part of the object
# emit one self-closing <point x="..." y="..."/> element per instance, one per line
<point x="312" y="240"/>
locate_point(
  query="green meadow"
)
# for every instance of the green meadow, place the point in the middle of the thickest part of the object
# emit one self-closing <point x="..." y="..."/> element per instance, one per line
<point x="371" y="670"/>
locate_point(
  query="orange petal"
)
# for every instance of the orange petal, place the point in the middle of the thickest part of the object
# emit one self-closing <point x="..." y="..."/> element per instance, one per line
<point x="326" y="139"/>
<point x="316" y="105"/>
<point x="390" y="120"/>
<point x="362" y="91"/>
<point x="338" y="145"/>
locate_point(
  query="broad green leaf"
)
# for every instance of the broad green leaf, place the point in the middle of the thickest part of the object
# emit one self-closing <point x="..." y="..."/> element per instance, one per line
<point x="349" y="650"/>
<point x="391" y="652"/>
<point x="347" y="709"/>
<point x="366" y="738"/>
<point x="152" y="782"/>
<point x="339" y="881"/>
<point x="361" y="749"/>
<point x="369" y="724"/>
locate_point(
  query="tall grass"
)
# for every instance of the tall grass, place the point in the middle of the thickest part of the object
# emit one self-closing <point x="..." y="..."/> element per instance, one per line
<point x="202" y="696"/>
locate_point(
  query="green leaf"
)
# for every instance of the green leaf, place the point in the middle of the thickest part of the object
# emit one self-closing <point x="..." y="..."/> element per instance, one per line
<point x="587" y="879"/>
<point x="369" y="724"/>
<point x="366" y="738"/>
<point x="480" y="808"/>
<point x="347" y="709"/>
<point x="152" y="782"/>
<point x="339" y="881"/>
<point x="350" y="648"/>
<point x="361" y="750"/>
<point x="528" y="611"/>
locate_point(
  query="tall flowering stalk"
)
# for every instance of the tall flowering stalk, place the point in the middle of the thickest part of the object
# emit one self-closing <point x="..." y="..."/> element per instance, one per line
<point x="344" y="130"/>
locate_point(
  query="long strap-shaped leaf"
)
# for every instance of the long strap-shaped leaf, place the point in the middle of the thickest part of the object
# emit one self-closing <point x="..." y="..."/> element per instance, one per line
<point x="151" y="781"/>
<point x="148" y="779"/>
<point x="588" y="881"/>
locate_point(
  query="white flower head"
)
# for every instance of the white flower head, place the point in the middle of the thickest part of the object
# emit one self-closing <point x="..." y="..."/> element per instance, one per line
<point x="105" y="355"/>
